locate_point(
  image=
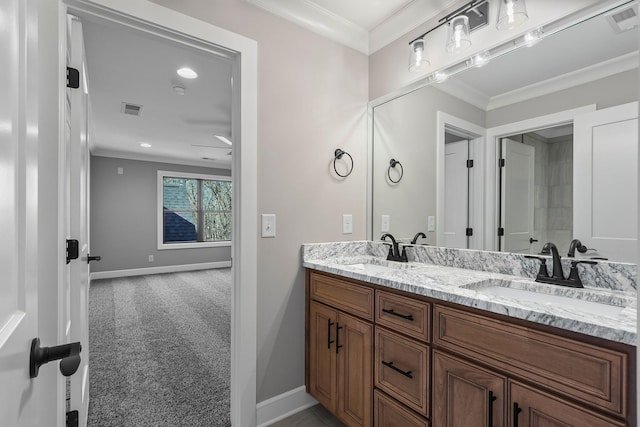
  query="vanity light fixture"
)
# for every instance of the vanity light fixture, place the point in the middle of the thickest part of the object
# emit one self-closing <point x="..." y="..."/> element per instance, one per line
<point x="145" y="145"/>
<point x="187" y="73"/>
<point x="462" y="22"/>
<point x="511" y="14"/>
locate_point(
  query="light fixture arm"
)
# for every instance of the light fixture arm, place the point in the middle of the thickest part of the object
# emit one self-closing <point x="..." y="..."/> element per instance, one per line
<point x="460" y="11"/>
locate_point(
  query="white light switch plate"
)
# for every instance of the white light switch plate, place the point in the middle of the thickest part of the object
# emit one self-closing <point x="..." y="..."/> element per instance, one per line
<point x="268" y="225"/>
<point x="347" y="224"/>
<point x="431" y="223"/>
<point x="385" y="223"/>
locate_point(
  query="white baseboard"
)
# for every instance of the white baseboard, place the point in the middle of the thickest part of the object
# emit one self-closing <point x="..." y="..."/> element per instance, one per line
<point x="156" y="270"/>
<point x="284" y="405"/>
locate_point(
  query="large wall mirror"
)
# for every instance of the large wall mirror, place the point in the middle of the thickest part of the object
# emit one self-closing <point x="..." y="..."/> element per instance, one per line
<point x="540" y="144"/>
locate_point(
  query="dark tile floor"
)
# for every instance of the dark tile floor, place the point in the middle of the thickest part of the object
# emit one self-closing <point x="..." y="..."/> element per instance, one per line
<point x="316" y="416"/>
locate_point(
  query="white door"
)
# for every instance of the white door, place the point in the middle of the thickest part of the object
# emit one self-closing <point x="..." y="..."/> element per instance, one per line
<point x="77" y="122"/>
<point x="18" y="213"/>
<point x="605" y="195"/>
<point x="456" y="194"/>
<point x="517" y="187"/>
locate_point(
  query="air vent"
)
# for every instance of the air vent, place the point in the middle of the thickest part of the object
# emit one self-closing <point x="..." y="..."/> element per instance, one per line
<point x="131" y="109"/>
<point x="625" y="20"/>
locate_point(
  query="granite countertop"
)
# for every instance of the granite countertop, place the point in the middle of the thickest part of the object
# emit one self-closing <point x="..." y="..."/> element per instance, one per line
<point x="570" y="309"/>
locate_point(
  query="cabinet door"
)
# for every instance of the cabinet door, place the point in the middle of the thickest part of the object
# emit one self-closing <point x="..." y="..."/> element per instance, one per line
<point x="322" y="355"/>
<point x="532" y="408"/>
<point x="355" y="343"/>
<point x="465" y="395"/>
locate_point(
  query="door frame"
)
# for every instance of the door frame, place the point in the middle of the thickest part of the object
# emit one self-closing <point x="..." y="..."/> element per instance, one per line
<point x="492" y="183"/>
<point x="243" y="52"/>
<point x="476" y="136"/>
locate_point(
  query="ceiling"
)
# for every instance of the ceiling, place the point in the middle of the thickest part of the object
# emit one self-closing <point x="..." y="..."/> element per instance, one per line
<point x="127" y="65"/>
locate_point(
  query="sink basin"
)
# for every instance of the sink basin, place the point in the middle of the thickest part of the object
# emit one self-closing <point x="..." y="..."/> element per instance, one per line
<point x="568" y="298"/>
<point x="377" y="266"/>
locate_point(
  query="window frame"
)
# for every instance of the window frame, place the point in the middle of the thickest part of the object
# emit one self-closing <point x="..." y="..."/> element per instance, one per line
<point x="160" y="210"/>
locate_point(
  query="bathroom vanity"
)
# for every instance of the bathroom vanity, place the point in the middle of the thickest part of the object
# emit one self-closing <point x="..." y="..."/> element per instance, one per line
<point x="433" y="342"/>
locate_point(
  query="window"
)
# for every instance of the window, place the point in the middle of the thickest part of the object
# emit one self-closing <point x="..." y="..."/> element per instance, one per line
<point x="193" y="210"/>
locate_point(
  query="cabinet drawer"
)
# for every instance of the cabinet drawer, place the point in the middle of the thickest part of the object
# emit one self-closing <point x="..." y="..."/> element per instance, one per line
<point x="592" y="374"/>
<point x="402" y="314"/>
<point x="388" y="413"/>
<point x="402" y="369"/>
<point x="341" y="294"/>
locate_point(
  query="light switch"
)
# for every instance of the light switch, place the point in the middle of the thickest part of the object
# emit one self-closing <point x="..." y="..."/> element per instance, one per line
<point x="120" y="171"/>
<point x="385" y="223"/>
<point x="431" y="223"/>
<point x="268" y="225"/>
<point x="347" y="224"/>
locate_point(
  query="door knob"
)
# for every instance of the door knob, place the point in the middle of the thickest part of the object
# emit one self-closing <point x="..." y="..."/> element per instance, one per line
<point x="68" y="353"/>
<point x="531" y="240"/>
<point x="93" y="258"/>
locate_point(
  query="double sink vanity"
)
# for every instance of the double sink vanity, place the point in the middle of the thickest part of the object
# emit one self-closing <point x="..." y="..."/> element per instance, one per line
<point x="458" y="337"/>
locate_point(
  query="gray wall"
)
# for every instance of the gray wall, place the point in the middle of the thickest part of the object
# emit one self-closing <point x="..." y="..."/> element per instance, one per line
<point x="606" y="92"/>
<point x="406" y="129"/>
<point x="124" y="216"/>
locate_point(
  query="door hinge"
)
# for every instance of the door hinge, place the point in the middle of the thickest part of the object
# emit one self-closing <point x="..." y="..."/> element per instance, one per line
<point x="469" y="163"/>
<point x="72" y="419"/>
<point x="500" y="231"/>
<point x="469" y="232"/>
<point x="501" y="163"/>
<point x="73" y="78"/>
<point x="72" y="250"/>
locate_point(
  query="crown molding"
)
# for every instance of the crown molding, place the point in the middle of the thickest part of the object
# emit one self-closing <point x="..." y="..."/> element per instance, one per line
<point x="575" y="78"/>
<point x="407" y="19"/>
<point x="309" y="15"/>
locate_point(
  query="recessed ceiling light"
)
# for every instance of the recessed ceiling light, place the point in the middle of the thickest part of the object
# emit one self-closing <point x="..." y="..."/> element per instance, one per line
<point x="224" y="139"/>
<point x="187" y="73"/>
<point x="145" y="145"/>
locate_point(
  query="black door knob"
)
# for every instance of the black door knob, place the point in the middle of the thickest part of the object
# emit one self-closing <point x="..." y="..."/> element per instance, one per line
<point x="93" y="258"/>
<point x="69" y="353"/>
<point x="531" y="240"/>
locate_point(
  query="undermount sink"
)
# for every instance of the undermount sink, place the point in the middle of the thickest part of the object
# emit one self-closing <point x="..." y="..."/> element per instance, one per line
<point x="377" y="266"/>
<point x="568" y="298"/>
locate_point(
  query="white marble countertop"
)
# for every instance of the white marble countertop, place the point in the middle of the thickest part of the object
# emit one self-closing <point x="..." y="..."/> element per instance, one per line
<point x="463" y="286"/>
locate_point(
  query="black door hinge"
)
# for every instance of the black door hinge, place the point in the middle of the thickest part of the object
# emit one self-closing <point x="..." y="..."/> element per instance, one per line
<point x="73" y="78"/>
<point x="469" y="163"/>
<point x="72" y="419"/>
<point x="501" y="163"/>
<point x="469" y="232"/>
<point x="73" y="250"/>
<point x="500" y="231"/>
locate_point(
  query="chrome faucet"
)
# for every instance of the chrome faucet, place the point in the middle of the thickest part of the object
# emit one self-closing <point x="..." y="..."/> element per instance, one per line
<point x="557" y="278"/>
<point x="394" y="249"/>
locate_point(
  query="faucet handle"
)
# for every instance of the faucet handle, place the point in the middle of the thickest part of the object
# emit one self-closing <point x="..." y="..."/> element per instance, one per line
<point x="543" y="272"/>
<point x="574" y="275"/>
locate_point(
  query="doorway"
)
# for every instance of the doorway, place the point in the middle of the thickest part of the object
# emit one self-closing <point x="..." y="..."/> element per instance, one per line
<point x="242" y="52"/>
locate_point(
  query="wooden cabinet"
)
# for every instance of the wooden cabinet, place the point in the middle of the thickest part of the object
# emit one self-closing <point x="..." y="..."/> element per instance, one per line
<point x="465" y="395"/>
<point x="339" y="352"/>
<point x="385" y="358"/>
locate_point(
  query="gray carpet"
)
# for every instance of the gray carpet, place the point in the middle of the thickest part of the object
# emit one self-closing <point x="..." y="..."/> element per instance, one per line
<point x="160" y="350"/>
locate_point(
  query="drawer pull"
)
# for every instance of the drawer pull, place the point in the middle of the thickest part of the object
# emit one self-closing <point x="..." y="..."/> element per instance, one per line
<point x="492" y="398"/>
<point x="392" y="366"/>
<point x="329" y="340"/>
<point x="404" y="316"/>
<point x="516" y="412"/>
<point x="338" y="345"/>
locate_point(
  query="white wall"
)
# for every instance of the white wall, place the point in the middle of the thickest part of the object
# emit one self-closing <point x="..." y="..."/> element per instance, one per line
<point x="312" y="95"/>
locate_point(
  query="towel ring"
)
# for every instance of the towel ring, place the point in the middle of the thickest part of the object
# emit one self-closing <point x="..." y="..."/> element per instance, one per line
<point x="392" y="164"/>
<point x="337" y="156"/>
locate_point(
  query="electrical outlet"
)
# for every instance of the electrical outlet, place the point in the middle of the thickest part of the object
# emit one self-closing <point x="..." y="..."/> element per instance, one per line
<point x="347" y="224"/>
<point x="150" y="258"/>
<point x="431" y="223"/>
<point x="385" y="223"/>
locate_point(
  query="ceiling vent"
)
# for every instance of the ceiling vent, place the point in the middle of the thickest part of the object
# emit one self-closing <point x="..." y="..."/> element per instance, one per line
<point x="131" y="109"/>
<point x="625" y="20"/>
